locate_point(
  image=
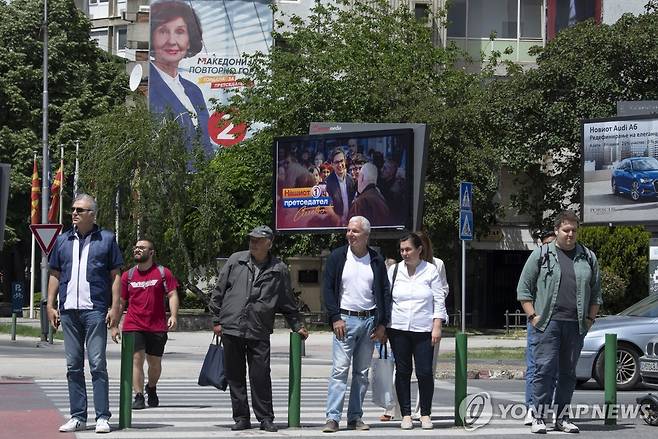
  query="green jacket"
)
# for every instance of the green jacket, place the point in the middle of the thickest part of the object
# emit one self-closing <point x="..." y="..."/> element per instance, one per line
<point x="540" y="283"/>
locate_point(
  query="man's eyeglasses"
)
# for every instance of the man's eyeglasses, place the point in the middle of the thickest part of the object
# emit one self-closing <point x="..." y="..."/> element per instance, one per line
<point x="81" y="210"/>
<point x="338" y="162"/>
<point x="139" y="247"/>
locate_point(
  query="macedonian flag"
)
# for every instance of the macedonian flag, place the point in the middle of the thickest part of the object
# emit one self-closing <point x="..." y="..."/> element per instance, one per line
<point x="55" y="190"/>
<point x="35" y="195"/>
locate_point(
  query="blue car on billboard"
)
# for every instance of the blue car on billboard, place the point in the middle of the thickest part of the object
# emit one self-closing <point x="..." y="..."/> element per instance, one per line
<point x="637" y="177"/>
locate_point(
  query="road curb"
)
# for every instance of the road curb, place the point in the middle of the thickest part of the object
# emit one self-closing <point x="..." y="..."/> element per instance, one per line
<point x="485" y="374"/>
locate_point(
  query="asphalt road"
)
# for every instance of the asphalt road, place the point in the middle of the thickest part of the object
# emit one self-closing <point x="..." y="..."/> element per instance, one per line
<point x="45" y="363"/>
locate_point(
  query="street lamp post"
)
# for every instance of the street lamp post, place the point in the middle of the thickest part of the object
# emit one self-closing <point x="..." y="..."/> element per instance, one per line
<point x="46" y="329"/>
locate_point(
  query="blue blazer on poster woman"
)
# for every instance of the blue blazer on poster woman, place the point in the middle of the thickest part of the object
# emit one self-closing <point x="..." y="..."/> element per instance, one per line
<point x="162" y="100"/>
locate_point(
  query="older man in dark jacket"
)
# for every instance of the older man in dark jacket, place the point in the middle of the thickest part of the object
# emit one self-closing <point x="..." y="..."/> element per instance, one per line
<point x="252" y="286"/>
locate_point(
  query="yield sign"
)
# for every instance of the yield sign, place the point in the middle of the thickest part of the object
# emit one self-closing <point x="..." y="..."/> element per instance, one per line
<point x="46" y="235"/>
<point x="224" y="132"/>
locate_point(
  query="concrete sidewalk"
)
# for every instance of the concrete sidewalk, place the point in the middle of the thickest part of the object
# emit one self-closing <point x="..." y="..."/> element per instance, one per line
<point x="185" y="351"/>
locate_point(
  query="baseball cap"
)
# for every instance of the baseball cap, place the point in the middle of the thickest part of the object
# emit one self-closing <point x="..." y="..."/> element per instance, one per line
<point x="262" y="232"/>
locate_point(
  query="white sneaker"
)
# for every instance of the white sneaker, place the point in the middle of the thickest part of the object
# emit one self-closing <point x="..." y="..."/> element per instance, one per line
<point x="566" y="426"/>
<point x="102" y="426"/>
<point x="538" y="426"/>
<point x="426" y="423"/>
<point x="73" y="424"/>
<point x="530" y="415"/>
<point x="406" y="423"/>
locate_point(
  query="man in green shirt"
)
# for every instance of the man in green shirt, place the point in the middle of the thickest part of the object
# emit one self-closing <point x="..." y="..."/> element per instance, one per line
<point x="560" y="291"/>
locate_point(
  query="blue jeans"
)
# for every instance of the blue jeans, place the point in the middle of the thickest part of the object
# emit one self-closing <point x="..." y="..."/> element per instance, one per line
<point x="557" y="348"/>
<point x="86" y="327"/>
<point x="529" y="365"/>
<point x="357" y="348"/>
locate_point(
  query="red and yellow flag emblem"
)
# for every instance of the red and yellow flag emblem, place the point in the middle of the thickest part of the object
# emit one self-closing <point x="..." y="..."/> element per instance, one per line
<point x="35" y="195"/>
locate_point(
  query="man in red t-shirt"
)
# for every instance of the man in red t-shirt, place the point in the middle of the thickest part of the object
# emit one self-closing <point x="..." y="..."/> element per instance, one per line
<point x="143" y="290"/>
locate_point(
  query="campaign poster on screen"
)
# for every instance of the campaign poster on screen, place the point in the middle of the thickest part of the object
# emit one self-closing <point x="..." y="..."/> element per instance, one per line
<point x="620" y="170"/>
<point x="324" y="180"/>
<point x="196" y="55"/>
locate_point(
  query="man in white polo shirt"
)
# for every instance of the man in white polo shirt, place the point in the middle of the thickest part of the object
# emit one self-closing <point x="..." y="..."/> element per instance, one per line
<point x="357" y="297"/>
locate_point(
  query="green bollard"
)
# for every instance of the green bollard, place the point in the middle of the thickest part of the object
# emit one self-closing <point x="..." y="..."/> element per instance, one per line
<point x="295" y="380"/>
<point x="460" y="375"/>
<point x="126" y="386"/>
<point x="610" y="379"/>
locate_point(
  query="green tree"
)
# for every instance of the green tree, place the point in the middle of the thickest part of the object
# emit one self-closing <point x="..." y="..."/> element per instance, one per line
<point x="83" y="82"/>
<point x="145" y="160"/>
<point x="621" y="252"/>
<point x="580" y="74"/>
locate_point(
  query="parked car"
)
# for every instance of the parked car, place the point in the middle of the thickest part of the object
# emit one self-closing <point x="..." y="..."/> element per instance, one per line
<point x="635" y="327"/>
<point x="649" y="373"/>
<point x="637" y="177"/>
<point x="649" y="364"/>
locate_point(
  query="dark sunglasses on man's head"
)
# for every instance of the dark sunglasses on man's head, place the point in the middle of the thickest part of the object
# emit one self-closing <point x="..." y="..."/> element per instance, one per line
<point x="80" y="210"/>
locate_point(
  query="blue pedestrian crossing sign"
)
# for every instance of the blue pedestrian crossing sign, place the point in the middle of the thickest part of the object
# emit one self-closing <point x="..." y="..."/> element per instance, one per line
<point x="466" y="225"/>
<point x="466" y="195"/>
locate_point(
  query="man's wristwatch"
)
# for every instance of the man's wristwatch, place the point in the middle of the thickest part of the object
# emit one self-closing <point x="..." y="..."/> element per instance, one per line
<point x="531" y="317"/>
<point x="591" y="319"/>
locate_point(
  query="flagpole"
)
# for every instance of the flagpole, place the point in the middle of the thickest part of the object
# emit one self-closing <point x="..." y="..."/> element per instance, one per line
<point x="75" y="173"/>
<point x="61" y="189"/>
<point x="45" y="192"/>
<point x="32" y="266"/>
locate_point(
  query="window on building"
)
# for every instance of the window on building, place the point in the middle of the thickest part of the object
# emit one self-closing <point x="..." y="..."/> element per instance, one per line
<point x="100" y="36"/>
<point x="422" y="12"/>
<point x="457" y="19"/>
<point x="93" y="2"/>
<point x="479" y="19"/>
<point x="487" y="17"/>
<point x="122" y="38"/>
<point x="531" y="11"/>
<point x="564" y="13"/>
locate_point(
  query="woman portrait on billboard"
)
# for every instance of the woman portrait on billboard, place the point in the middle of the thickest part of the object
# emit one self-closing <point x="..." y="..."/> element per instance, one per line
<point x="176" y="34"/>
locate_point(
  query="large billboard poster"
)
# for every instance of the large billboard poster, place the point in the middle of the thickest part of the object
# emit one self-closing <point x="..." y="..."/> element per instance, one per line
<point x="324" y="180"/>
<point x="620" y="170"/>
<point x="196" y="55"/>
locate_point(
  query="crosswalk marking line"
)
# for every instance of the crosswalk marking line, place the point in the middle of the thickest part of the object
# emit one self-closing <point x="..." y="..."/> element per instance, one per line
<point x="313" y="431"/>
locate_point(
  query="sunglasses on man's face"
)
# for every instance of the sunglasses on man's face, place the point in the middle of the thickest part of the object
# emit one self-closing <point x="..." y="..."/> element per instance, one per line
<point x="80" y="210"/>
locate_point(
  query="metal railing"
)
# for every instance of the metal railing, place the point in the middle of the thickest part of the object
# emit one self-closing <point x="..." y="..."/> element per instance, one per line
<point x="518" y="317"/>
<point x="455" y="318"/>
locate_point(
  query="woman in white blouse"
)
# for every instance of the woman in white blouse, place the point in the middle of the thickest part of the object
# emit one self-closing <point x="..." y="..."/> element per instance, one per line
<point x="417" y="311"/>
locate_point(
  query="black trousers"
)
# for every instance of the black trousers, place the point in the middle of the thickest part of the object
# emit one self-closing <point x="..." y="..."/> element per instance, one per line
<point x="257" y="355"/>
<point x="407" y="344"/>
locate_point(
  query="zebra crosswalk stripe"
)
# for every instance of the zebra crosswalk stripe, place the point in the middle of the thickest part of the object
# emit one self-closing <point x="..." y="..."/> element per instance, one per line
<point x="189" y="411"/>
